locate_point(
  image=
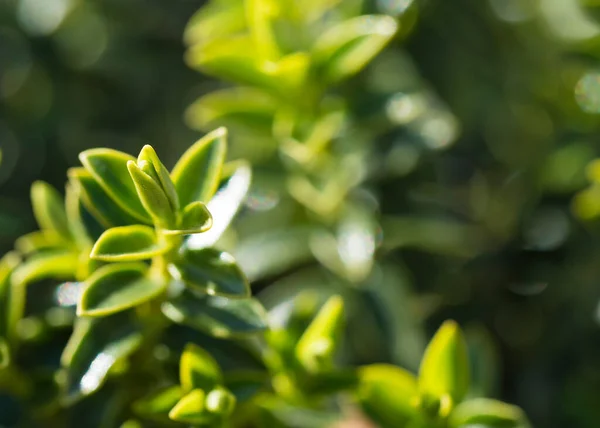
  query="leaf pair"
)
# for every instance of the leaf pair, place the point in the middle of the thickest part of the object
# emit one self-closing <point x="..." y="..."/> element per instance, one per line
<point x="394" y="397"/>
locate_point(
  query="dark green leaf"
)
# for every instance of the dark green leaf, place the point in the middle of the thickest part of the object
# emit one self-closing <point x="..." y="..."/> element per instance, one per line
<point x="109" y="169"/>
<point x="116" y="287"/>
<point x="212" y="271"/>
<point x="217" y="316"/>
<point x="152" y="196"/>
<point x="49" y="210"/>
<point x="128" y="243"/>
<point x="4" y="353"/>
<point x="224" y="205"/>
<point x="195" y="219"/>
<point x="98" y="202"/>
<point x="244" y="384"/>
<point x="7" y="265"/>
<point x="158" y="403"/>
<point x="94" y="348"/>
<point x="196" y="174"/>
<point x="198" y="369"/>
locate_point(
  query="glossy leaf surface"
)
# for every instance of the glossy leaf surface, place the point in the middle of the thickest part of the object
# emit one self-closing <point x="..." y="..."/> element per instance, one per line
<point x="128" y="243"/>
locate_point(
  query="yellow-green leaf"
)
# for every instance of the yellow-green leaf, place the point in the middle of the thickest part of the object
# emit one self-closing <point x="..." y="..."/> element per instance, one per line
<point x="220" y="401"/>
<point x="196" y="175"/>
<point x="152" y="196"/>
<point x="316" y="346"/>
<point x="148" y="154"/>
<point x="198" y="369"/>
<point x="190" y="409"/>
<point x="4" y="353"/>
<point x="387" y="394"/>
<point x="116" y="287"/>
<point x="444" y="368"/>
<point x="128" y="243"/>
<point x="49" y="209"/>
<point x="158" y="403"/>
<point x="195" y="218"/>
<point x="109" y="169"/>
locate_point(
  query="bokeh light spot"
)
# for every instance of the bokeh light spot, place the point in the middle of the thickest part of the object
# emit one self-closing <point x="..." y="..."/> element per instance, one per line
<point x="587" y="92"/>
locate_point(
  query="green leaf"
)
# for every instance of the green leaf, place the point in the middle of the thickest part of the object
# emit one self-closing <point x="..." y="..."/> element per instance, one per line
<point x="217" y="316"/>
<point x="215" y="20"/>
<point x="198" y="369"/>
<point x="244" y="384"/>
<point x="190" y="409"/>
<point x="109" y="169"/>
<point x="103" y="208"/>
<point x="4" y="353"/>
<point x="128" y="243"/>
<point x="152" y="196"/>
<point x="488" y="413"/>
<point x="196" y="174"/>
<point x="444" y="368"/>
<point x="223" y="206"/>
<point x="158" y="403"/>
<point x="116" y="287"/>
<point x="347" y="47"/>
<point x="93" y="349"/>
<point x="316" y="346"/>
<point x="211" y="271"/>
<point x="147" y="154"/>
<point x="74" y="209"/>
<point x="387" y="394"/>
<point x="195" y="219"/>
<point x="49" y="210"/>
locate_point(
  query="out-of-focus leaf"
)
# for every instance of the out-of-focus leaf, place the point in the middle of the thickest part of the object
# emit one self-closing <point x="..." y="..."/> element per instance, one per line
<point x="260" y="15"/>
<point x="147" y="154"/>
<point x="198" y="369"/>
<point x="212" y="271"/>
<point x="4" y="353"/>
<point x="215" y="20"/>
<point x="331" y="382"/>
<point x="49" y="209"/>
<point x="152" y="196"/>
<point x="195" y="218"/>
<point x="488" y="413"/>
<point x="94" y="348"/>
<point x="248" y="107"/>
<point x="316" y="346"/>
<point x="196" y="174"/>
<point x="223" y="207"/>
<point x="191" y="409"/>
<point x="217" y="316"/>
<point x="484" y="360"/>
<point x="73" y="208"/>
<point x="444" y="369"/>
<point x="346" y="48"/>
<point x="245" y="384"/>
<point x="116" y="287"/>
<point x="220" y="401"/>
<point x="158" y="403"/>
<point x="38" y="241"/>
<point x="7" y="265"/>
<point x="98" y="202"/>
<point x="128" y="243"/>
<point x="387" y="394"/>
<point x="109" y="169"/>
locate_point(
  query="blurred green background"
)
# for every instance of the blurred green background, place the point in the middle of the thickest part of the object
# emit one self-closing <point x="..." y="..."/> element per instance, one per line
<point x="489" y="113"/>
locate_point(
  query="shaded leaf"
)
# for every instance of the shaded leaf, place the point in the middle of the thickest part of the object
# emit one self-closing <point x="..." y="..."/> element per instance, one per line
<point x="445" y="366"/>
<point x="49" y="210"/>
<point x="128" y="243"/>
<point x="211" y="271"/>
<point x="4" y="353"/>
<point x="196" y="174"/>
<point x="98" y="202"/>
<point x="158" y="403"/>
<point x="7" y="265"/>
<point x="116" y="287"/>
<point x="94" y="348"/>
<point x="195" y="219"/>
<point x="217" y="316"/>
<point x="109" y="169"/>
<point x="223" y="206"/>
<point x="198" y="369"/>
<point x="244" y="384"/>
